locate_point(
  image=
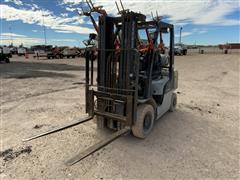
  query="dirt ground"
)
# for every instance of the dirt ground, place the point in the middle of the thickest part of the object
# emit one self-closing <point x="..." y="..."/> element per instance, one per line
<point x="198" y="141"/>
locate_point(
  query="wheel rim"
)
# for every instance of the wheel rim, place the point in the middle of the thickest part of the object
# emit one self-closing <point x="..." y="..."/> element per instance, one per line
<point x="147" y="122"/>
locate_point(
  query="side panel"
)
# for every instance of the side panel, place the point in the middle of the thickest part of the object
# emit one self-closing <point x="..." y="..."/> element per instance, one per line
<point x="164" y="107"/>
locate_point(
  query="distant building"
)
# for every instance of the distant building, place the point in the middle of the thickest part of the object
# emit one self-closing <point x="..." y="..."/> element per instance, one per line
<point x="229" y="46"/>
<point x="41" y="47"/>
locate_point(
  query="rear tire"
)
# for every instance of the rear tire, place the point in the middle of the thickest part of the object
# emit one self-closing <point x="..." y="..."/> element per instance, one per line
<point x="7" y="60"/>
<point x="185" y="52"/>
<point x="173" y="102"/>
<point x="144" y="122"/>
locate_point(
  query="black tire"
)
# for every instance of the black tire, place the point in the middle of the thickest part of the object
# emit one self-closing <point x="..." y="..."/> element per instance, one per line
<point x="173" y="102"/>
<point x="144" y="122"/>
<point x="7" y="60"/>
<point x="185" y="52"/>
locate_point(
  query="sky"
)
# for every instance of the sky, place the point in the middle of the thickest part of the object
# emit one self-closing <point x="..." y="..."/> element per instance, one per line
<point x="206" y="22"/>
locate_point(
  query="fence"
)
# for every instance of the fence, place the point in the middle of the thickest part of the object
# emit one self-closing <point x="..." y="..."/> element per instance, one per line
<point x="212" y="50"/>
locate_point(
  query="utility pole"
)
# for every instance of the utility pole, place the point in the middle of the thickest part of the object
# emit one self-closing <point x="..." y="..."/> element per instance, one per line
<point x="180" y="39"/>
<point x="11" y="37"/>
<point x="44" y="30"/>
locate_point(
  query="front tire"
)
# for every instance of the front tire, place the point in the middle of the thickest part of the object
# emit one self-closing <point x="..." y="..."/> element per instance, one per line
<point x="7" y="60"/>
<point x="144" y="122"/>
<point x="173" y="103"/>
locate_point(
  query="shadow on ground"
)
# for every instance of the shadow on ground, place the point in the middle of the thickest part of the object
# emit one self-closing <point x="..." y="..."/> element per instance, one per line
<point x="24" y="70"/>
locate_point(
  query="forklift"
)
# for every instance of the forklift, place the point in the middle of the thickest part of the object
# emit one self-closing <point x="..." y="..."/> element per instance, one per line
<point x="135" y="82"/>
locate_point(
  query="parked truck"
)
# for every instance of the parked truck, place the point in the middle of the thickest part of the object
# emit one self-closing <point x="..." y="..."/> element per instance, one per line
<point x="180" y="49"/>
<point x="4" y="55"/>
<point x="21" y="51"/>
<point x="70" y="52"/>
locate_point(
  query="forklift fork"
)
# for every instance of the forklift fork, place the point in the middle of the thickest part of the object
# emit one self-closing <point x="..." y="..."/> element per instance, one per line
<point x="97" y="146"/>
<point x="92" y="148"/>
<point x="58" y="129"/>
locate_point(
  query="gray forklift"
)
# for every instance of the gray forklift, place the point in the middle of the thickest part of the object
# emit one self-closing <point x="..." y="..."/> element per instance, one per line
<point x="135" y="82"/>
